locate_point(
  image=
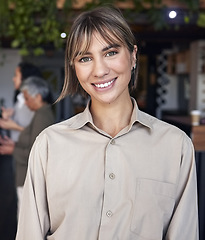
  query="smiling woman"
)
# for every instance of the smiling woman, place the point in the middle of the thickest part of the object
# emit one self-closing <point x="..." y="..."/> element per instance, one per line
<point x="115" y="171"/>
<point x="80" y="39"/>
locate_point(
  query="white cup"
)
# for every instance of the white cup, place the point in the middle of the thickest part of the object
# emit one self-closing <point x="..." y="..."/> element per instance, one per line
<point x="195" y="117"/>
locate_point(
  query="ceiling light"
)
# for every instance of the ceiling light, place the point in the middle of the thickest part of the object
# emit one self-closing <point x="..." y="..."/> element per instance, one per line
<point x="63" y="35"/>
<point x="172" y="14"/>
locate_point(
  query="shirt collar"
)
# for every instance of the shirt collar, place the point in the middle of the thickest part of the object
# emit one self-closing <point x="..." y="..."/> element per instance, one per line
<point x="82" y="118"/>
<point x="137" y="116"/>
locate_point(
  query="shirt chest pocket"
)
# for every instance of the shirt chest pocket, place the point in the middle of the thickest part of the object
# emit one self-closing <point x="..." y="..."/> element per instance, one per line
<point x="153" y="207"/>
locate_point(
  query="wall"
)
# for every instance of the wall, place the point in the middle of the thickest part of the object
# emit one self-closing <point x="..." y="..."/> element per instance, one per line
<point x="12" y="58"/>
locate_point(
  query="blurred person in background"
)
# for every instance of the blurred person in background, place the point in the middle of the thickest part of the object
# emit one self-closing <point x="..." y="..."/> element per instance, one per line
<point x="12" y="122"/>
<point x="17" y="118"/>
<point x="38" y="98"/>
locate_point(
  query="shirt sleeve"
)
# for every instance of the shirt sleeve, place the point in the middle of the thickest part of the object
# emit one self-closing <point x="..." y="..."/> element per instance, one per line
<point x="34" y="219"/>
<point x="184" y="222"/>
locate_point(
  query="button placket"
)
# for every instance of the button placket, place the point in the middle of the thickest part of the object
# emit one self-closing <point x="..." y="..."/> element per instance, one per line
<point x="109" y="185"/>
<point x="112" y="175"/>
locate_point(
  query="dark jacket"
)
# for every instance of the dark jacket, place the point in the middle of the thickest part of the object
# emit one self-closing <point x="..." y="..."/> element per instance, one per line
<point x="43" y="118"/>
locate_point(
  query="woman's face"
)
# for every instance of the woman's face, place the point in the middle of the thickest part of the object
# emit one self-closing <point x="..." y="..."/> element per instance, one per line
<point x="17" y="78"/>
<point x="104" y="71"/>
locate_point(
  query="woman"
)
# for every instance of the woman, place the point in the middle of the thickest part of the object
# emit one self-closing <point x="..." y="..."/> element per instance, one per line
<point x="19" y="117"/>
<point x="111" y="172"/>
<point x="37" y="97"/>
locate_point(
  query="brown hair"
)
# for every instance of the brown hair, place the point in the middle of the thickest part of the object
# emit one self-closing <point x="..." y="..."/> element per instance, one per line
<point x="111" y="25"/>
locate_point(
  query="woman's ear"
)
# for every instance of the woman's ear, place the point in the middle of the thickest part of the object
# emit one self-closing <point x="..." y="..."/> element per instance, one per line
<point x="134" y="56"/>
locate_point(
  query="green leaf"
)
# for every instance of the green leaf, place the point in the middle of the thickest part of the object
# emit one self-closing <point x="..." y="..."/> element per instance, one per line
<point x="186" y="19"/>
<point x="24" y="52"/>
<point x="15" y="43"/>
<point x="201" y="20"/>
<point x="38" y="51"/>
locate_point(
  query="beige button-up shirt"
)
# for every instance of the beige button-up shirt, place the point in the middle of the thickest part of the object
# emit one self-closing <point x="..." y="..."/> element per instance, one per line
<point x="82" y="184"/>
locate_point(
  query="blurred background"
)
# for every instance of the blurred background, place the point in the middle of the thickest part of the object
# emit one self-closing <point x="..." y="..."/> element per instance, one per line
<point x="170" y="35"/>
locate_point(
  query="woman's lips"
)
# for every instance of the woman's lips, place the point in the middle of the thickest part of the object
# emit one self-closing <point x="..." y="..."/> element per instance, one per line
<point x="105" y="84"/>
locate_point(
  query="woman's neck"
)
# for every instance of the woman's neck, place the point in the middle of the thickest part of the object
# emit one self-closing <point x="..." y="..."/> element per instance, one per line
<point x="112" y="118"/>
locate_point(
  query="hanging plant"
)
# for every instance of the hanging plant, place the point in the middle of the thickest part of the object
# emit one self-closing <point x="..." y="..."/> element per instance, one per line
<point x="33" y="25"/>
<point x="153" y="11"/>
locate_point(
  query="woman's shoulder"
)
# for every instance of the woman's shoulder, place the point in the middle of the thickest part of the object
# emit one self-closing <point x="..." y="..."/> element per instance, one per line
<point x="62" y="126"/>
<point x="162" y="127"/>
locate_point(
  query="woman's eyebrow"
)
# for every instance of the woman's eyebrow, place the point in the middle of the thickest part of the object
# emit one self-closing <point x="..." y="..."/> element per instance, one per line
<point x="115" y="45"/>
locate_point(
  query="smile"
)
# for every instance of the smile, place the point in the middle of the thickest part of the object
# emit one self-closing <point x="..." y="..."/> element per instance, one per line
<point x="104" y="85"/>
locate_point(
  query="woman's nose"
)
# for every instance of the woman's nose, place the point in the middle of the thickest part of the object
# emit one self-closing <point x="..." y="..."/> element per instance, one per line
<point x="100" y="68"/>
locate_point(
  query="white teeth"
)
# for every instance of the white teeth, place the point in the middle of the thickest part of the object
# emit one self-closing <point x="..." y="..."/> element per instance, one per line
<point x="104" y="85"/>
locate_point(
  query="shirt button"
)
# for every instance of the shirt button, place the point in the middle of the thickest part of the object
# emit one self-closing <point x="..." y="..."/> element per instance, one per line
<point x="109" y="213"/>
<point x="112" y="142"/>
<point x="112" y="176"/>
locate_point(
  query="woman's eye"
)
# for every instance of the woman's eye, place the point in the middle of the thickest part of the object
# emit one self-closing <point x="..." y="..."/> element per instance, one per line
<point x="112" y="53"/>
<point x="85" y="59"/>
